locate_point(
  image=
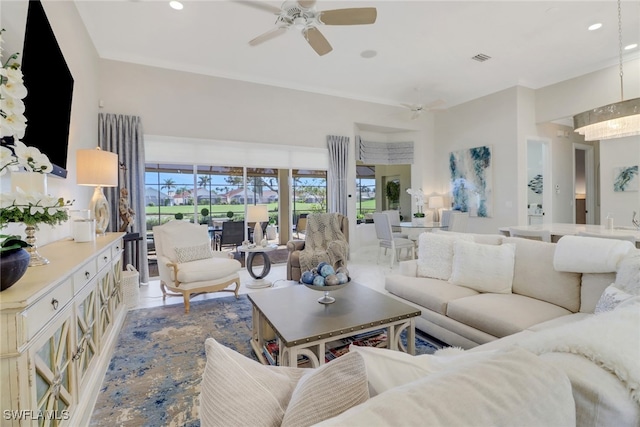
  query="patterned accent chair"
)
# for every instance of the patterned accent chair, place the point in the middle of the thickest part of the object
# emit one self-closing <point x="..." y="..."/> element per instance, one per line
<point x="294" y="271"/>
<point x="187" y="264"/>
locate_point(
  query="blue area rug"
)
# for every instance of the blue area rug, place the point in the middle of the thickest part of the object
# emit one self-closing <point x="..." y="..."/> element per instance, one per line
<point x="154" y="376"/>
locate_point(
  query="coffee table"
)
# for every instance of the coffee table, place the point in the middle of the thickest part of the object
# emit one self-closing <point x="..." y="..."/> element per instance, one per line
<point x="301" y="326"/>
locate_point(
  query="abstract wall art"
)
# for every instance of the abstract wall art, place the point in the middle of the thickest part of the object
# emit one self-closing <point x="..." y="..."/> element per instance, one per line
<point x="472" y="181"/>
<point x="625" y="178"/>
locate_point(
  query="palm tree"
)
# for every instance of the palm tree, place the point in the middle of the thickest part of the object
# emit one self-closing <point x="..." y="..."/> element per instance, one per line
<point x="169" y="184"/>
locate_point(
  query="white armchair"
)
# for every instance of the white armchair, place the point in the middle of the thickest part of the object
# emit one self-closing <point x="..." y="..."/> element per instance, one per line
<point x="187" y="264"/>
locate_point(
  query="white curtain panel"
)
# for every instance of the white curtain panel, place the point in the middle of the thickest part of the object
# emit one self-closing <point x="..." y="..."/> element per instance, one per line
<point x="338" y="158"/>
<point x="123" y="135"/>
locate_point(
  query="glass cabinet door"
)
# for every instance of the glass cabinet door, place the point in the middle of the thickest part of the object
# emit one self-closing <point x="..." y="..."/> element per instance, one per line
<point x="86" y="334"/>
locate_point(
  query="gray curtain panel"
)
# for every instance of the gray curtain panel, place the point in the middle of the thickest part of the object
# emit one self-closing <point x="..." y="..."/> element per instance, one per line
<point x="338" y="158"/>
<point x="123" y="135"/>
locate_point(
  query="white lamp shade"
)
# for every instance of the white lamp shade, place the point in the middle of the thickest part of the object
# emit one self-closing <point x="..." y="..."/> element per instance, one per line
<point x="97" y="168"/>
<point x="257" y="213"/>
<point x="436" y="202"/>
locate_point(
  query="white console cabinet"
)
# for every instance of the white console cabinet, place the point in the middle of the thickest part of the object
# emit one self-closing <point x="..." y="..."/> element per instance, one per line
<point x="59" y="325"/>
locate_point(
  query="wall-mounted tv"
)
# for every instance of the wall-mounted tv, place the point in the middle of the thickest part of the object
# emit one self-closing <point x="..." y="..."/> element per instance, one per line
<point x="49" y="85"/>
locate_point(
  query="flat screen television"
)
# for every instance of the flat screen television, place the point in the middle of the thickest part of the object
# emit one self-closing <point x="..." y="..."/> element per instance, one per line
<point x="49" y="85"/>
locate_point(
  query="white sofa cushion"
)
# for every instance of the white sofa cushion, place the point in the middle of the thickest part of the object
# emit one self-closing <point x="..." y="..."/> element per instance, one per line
<point x="581" y="254"/>
<point x="435" y="254"/>
<point x="535" y="277"/>
<point x="512" y="388"/>
<point x="202" y="270"/>
<point x="433" y="294"/>
<point x="502" y="314"/>
<point x="484" y="268"/>
<point x="387" y="369"/>
<point x="236" y="390"/>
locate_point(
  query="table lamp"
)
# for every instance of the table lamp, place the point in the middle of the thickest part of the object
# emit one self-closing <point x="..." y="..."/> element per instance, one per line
<point x="100" y="169"/>
<point x="257" y="214"/>
<point x="436" y="203"/>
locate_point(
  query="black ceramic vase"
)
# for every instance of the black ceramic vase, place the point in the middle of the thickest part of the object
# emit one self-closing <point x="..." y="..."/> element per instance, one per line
<point x="13" y="265"/>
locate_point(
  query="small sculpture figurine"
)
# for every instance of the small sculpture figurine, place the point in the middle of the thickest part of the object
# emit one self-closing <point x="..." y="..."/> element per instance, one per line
<point x="126" y="213"/>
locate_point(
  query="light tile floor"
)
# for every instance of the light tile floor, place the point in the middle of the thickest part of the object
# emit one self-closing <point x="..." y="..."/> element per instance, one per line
<point x="362" y="268"/>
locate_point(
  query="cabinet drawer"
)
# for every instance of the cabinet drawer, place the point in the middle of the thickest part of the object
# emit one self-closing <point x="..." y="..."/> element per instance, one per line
<point x="84" y="275"/>
<point x="45" y="308"/>
<point x="104" y="259"/>
<point x="116" y="250"/>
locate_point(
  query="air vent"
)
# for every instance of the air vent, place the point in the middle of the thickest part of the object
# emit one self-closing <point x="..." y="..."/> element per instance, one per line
<point x="481" y="57"/>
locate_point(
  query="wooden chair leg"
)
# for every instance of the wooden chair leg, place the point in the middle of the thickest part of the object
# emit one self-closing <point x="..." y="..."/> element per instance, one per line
<point x="187" y="306"/>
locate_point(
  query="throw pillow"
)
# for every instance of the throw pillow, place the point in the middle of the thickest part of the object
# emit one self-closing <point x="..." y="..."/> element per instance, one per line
<point x="236" y="390"/>
<point x="193" y="253"/>
<point x="387" y="369"/>
<point x="328" y="391"/>
<point x="484" y="268"/>
<point x="435" y="254"/>
<point x="628" y="274"/>
<point x="511" y="388"/>
<point x="611" y="298"/>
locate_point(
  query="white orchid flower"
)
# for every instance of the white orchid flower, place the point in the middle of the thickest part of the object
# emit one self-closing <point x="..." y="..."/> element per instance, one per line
<point x="13" y="124"/>
<point x="12" y="106"/>
<point x="36" y="209"/>
<point x="42" y="164"/>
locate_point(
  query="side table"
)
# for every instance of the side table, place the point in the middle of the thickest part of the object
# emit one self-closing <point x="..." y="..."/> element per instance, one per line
<point x="258" y="281"/>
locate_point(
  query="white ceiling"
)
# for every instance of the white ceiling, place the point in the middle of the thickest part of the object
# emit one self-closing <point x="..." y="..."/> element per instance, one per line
<point x="421" y="44"/>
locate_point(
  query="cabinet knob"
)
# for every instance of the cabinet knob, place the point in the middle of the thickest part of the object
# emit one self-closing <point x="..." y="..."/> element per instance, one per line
<point x="106" y="258"/>
<point x="54" y="303"/>
<point x="87" y="274"/>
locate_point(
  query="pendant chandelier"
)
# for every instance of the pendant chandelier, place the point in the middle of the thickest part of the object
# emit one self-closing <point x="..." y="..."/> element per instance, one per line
<point x="614" y="120"/>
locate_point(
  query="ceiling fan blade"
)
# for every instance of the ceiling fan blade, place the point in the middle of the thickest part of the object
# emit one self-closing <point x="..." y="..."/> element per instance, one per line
<point x="260" y="5"/>
<point x="274" y="32"/>
<point x="317" y="41"/>
<point x="307" y="4"/>
<point x="351" y="16"/>
<point x="415" y="114"/>
<point x="409" y="106"/>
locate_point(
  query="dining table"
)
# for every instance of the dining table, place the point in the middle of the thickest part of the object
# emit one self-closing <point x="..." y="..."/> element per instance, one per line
<point x="565" y="229"/>
<point x="414" y="229"/>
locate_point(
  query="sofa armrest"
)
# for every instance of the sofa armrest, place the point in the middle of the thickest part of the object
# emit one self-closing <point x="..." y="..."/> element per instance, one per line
<point x="409" y="268"/>
<point x="295" y="245"/>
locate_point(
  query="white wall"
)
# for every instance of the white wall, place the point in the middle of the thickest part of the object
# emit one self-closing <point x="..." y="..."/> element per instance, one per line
<point x="619" y="152"/>
<point x="82" y="60"/>
<point x="491" y="120"/>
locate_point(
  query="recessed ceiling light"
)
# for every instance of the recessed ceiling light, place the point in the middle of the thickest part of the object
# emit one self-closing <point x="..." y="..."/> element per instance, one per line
<point x="595" y="26"/>
<point x="176" y="5"/>
<point x="368" y="53"/>
<point x="631" y="46"/>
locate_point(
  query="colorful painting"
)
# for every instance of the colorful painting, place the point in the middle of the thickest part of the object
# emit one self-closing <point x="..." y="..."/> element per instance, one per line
<point x="625" y="178"/>
<point x="471" y="181"/>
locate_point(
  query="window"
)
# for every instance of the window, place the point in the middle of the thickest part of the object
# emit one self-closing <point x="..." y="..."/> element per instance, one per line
<point x="309" y="192"/>
<point x="366" y="190"/>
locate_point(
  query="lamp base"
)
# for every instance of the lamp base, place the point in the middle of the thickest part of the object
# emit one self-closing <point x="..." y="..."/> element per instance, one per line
<point x="257" y="233"/>
<point x="99" y="208"/>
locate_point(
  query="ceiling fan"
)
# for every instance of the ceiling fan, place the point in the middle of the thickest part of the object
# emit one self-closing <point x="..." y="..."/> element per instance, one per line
<point x="418" y="109"/>
<point x="303" y="16"/>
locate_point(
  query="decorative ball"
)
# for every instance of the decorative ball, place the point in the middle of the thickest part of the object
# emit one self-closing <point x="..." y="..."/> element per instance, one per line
<point x="327" y="270"/>
<point x="318" y="281"/>
<point x="307" y="277"/>
<point x="342" y="278"/>
<point x="343" y="270"/>
<point x="331" y="280"/>
<point x="315" y="271"/>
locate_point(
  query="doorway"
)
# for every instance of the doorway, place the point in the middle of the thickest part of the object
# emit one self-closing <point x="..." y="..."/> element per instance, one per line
<point x="583" y="184"/>
<point x="538" y="179"/>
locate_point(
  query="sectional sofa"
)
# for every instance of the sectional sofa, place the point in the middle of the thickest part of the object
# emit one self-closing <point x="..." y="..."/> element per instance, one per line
<point x="561" y="347"/>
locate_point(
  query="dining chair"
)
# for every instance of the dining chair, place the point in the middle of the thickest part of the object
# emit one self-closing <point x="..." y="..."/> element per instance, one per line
<point x="628" y="238"/>
<point x="388" y="241"/>
<point x="394" y="219"/>
<point x="232" y="235"/>
<point x="458" y="222"/>
<point x="301" y="225"/>
<point x="543" y="235"/>
<point x="445" y="217"/>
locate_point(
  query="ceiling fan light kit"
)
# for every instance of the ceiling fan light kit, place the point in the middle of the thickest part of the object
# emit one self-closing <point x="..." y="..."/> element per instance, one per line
<point x="617" y="120"/>
<point x="302" y="16"/>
